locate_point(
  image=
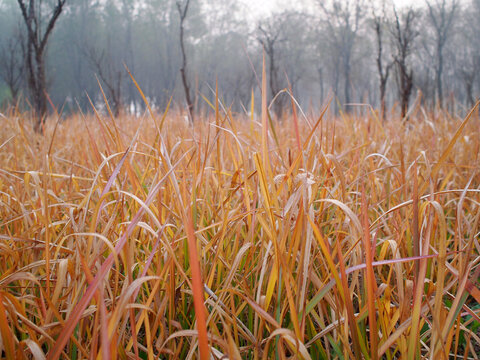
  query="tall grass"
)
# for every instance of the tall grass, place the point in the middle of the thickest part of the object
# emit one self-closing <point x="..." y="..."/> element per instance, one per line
<point x="313" y="238"/>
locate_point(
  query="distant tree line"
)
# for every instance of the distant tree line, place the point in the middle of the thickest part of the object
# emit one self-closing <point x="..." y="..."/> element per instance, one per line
<point x="72" y="53"/>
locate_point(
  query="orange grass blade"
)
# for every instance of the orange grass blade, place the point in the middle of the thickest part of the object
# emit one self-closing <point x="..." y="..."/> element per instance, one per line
<point x="197" y="283"/>
<point x="414" y="339"/>
<point x="6" y="333"/>
<point x="437" y="343"/>
<point x="370" y="279"/>
<point x="415" y="234"/>
<point x="348" y="304"/>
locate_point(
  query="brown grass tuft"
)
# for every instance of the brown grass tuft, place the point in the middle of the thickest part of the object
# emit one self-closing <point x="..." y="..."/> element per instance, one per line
<point x="315" y="238"/>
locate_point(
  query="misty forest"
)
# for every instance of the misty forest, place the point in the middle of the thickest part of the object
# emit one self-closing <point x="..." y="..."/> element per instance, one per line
<point x="358" y="52"/>
<point x="221" y="179"/>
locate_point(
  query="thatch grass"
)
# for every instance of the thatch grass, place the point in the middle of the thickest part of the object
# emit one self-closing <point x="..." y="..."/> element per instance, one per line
<point x="317" y="238"/>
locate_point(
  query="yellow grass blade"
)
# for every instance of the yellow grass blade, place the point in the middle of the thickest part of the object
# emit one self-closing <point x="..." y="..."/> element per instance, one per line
<point x="197" y="283"/>
<point x="450" y="146"/>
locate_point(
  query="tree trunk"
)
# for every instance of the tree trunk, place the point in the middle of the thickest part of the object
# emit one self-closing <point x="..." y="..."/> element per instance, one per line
<point x="277" y="106"/>
<point x="37" y="43"/>
<point x="183" y="69"/>
<point x="383" y="88"/>
<point x="41" y="95"/>
<point x="406" y="91"/>
<point x="322" y="90"/>
<point x="347" y="70"/>
<point x="468" y="78"/>
<point x="439" y="77"/>
<point x="347" y="91"/>
<point x="336" y="85"/>
<point x="37" y="84"/>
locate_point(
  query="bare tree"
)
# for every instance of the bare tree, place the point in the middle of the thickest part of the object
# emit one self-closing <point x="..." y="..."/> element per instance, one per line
<point x="268" y="36"/>
<point x="468" y="61"/>
<point x="343" y="20"/>
<point x="127" y="15"/>
<point x="468" y="73"/>
<point x="379" y="23"/>
<point x="441" y="15"/>
<point x="278" y="35"/>
<point x="109" y="74"/>
<point x="182" y="12"/>
<point x="12" y="64"/>
<point x="403" y="34"/>
<point x="36" y="44"/>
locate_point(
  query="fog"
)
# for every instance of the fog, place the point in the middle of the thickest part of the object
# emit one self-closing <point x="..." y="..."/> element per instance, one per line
<point x="390" y="55"/>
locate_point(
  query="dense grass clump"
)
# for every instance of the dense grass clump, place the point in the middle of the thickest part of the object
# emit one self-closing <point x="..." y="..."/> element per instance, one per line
<point x="315" y="238"/>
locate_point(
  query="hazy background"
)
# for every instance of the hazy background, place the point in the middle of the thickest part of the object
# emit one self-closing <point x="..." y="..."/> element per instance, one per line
<point x="322" y="47"/>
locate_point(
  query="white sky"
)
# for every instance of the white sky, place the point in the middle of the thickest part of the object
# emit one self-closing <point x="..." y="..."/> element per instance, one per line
<point x="258" y="8"/>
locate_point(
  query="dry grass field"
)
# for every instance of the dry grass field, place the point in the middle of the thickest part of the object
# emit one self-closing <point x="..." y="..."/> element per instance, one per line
<point x="240" y="238"/>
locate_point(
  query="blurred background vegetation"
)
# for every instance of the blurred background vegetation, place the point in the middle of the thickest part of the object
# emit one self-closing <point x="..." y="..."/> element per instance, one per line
<point x="428" y="52"/>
